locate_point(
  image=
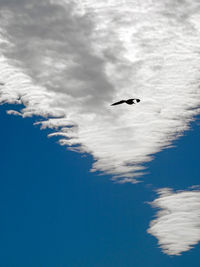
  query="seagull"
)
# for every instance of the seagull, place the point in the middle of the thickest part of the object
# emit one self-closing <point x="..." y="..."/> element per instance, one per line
<point x="129" y="101"/>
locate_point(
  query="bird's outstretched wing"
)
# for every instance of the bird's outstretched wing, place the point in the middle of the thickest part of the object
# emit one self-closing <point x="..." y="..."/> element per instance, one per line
<point x="118" y="103"/>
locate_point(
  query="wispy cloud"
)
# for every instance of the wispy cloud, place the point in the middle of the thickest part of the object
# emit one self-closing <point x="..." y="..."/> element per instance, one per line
<point x="177" y="223"/>
<point x="71" y="59"/>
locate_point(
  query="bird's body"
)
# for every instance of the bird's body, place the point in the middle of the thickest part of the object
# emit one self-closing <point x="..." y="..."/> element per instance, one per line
<point x="130" y="101"/>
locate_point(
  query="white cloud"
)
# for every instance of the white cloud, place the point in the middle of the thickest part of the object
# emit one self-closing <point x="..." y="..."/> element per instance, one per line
<point x="177" y="223"/>
<point x="71" y="59"/>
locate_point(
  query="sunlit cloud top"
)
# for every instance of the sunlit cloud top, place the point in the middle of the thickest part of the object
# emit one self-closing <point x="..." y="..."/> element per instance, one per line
<point x="67" y="61"/>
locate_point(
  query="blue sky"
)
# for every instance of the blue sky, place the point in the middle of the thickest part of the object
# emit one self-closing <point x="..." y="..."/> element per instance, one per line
<point x="55" y="213"/>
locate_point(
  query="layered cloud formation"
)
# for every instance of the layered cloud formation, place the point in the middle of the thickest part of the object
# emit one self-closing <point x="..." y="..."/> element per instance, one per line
<point x="67" y="61"/>
<point x="177" y="223"/>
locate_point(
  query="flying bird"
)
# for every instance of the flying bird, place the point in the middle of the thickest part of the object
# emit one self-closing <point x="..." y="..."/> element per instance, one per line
<point x="129" y="101"/>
